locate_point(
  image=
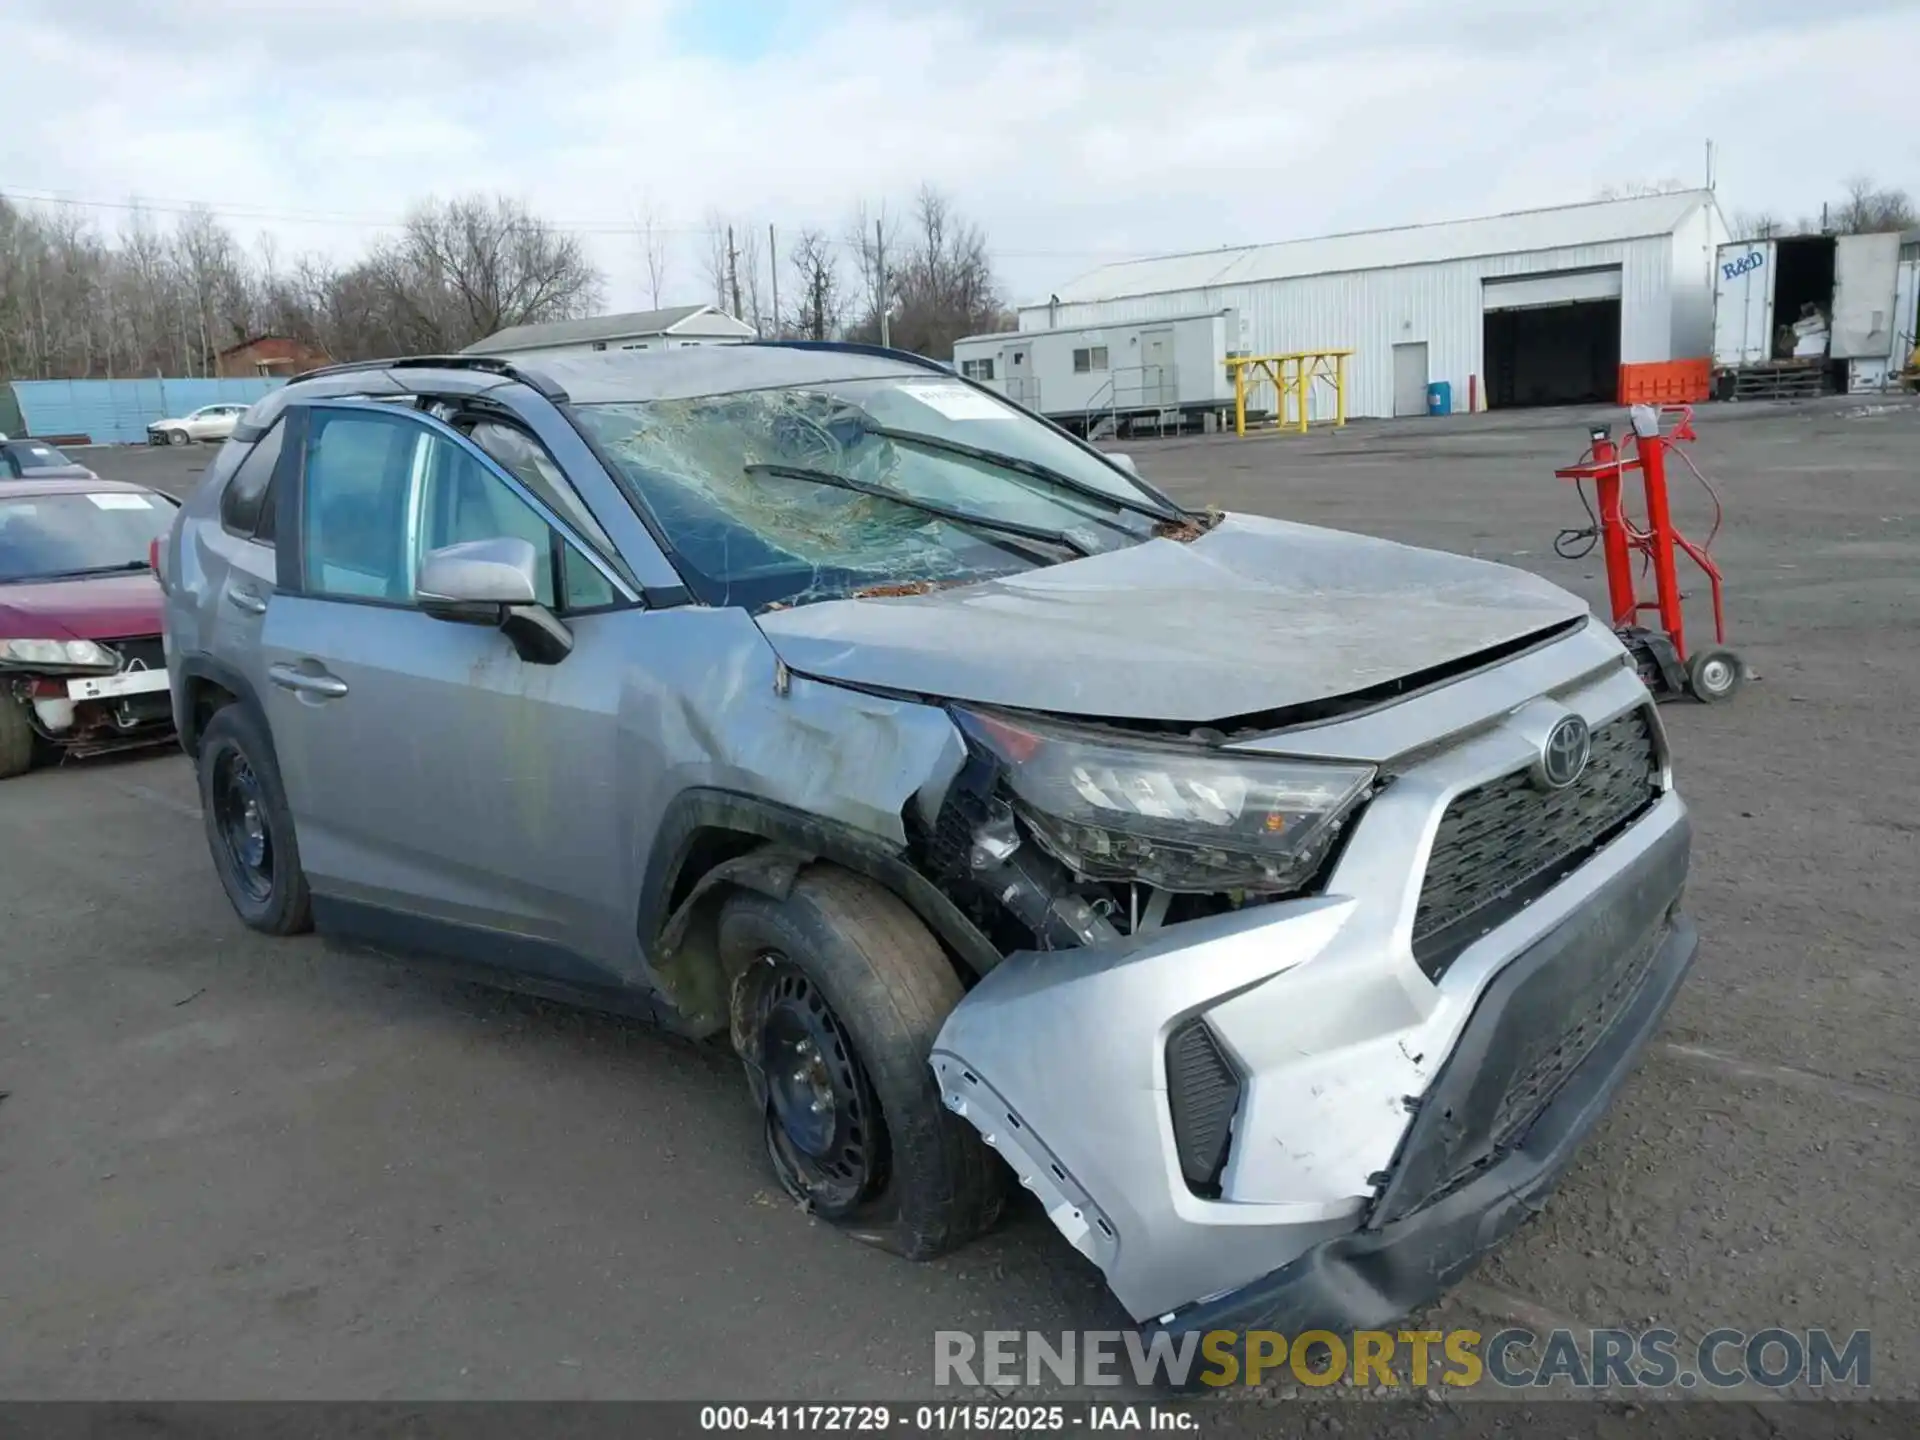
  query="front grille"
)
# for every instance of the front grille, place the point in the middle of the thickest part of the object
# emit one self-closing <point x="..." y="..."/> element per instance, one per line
<point x="1599" y="1005"/>
<point x="1502" y="843"/>
<point x="146" y="649"/>
<point x="1527" y="1038"/>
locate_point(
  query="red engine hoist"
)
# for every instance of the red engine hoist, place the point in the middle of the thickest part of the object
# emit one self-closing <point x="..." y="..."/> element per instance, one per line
<point x="1666" y="663"/>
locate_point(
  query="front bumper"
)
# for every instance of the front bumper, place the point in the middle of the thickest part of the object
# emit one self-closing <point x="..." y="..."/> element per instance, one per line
<point x="1375" y="1146"/>
<point x="1371" y="1277"/>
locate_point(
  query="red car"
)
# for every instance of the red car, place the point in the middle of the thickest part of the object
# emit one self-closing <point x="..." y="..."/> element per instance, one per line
<point x="82" y="668"/>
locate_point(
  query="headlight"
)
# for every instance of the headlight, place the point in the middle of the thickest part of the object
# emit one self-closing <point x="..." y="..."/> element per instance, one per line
<point x="1173" y="816"/>
<point x="73" y="654"/>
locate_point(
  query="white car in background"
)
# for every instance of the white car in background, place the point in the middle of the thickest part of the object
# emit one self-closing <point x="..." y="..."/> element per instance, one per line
<point x="209" y="422"/>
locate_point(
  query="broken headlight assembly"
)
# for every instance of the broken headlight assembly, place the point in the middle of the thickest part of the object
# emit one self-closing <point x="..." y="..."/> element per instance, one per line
<point x="76" y="657"/>
<point x="1179" y="817"/>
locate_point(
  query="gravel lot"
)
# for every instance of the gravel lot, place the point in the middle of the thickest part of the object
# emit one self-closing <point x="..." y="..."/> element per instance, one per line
<point x="234" y="1167"/>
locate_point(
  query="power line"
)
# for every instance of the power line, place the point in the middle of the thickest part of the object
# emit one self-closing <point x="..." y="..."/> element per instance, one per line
<point x="223" y="210"/>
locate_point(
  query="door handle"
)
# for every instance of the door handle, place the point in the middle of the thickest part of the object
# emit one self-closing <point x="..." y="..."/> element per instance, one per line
<point x="248" y="600"/>
<point x="291" y="677"/>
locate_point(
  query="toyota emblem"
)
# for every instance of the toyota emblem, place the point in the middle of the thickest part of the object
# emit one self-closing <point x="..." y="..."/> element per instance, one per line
<point x="1565" y="753"/>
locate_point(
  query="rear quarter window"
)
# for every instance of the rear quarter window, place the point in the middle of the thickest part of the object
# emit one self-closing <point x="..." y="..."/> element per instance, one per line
<point x="245" y="498"/>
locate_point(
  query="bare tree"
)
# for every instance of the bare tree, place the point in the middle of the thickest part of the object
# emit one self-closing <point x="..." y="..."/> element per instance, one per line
<point x="653" y="253"/>
<point x="714" y="267"/>
<point x="1868" y="209"/>
<point x="1755" y="225"/>
<point x="867" y="233"/>
<point x="940" y="282"/>
<point x="150" y="301"/>
<point x="753" y="275"/>
<point x="462" y="270"/>
<point x="819" y="297"/>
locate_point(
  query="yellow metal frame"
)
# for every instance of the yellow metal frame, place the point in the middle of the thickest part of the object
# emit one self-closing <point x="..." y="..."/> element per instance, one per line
<point x="1292" y="375"/>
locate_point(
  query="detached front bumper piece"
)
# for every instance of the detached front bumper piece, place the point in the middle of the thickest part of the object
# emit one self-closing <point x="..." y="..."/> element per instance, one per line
<point x="1392" y="1266"/>
<point x="1389" y="1123"/>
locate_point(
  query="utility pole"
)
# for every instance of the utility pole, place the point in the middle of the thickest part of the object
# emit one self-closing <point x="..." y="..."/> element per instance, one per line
<point x="773" y="269"/>
<point x="880" y="272"/>
<point x="733" y="272"/>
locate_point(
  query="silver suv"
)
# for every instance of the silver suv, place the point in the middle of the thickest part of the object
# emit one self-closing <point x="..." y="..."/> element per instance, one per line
<point x="1281" y="906"/>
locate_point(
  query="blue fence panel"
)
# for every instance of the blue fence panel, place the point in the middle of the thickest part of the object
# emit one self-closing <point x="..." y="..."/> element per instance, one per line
<point x="117" y="412"/>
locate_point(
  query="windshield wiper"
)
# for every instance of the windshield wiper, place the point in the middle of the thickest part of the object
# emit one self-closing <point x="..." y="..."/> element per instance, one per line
<point x="1025" y="466"/>
<point x="125" y="567"/>
<point x="929" y="507"/>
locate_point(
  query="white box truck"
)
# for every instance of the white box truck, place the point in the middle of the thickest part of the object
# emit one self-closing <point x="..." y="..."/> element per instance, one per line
<point x="1811" y="314"/>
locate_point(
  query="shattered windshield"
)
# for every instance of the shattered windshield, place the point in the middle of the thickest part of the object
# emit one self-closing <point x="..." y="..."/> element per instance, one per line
<point x="742" y="486"/>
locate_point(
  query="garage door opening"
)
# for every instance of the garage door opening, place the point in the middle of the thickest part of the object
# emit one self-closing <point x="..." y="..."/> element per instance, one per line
<point x="1553" y="354"/>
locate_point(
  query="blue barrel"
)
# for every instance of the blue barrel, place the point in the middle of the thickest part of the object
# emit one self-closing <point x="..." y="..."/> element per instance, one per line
<point x="1440" y="398"/>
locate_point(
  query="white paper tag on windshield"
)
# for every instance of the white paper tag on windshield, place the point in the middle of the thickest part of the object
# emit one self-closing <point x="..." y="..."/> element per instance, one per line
<point x="957" y="402"/>
<point x="107" y="500"/>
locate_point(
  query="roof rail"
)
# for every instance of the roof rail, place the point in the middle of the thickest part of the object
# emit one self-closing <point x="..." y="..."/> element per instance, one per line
<point x="851" y="347"/>
<point x="492" y="364"/>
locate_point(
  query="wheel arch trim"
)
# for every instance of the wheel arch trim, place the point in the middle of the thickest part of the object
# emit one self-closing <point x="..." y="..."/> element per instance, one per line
<point x="780" y="843"/>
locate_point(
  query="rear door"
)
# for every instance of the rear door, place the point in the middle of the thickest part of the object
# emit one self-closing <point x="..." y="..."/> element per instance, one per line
<point x="227" y="580"/>
<point x="1865" y="269"/>
<point x="1743" y="303"/>
<point x="448" y="795"/>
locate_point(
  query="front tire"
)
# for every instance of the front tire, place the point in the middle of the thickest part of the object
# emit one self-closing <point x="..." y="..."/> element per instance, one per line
<point x="178" y="437"/>
<point x="841" y="992"/>
<point x="249" y="827"/>
<point x="16" y="738"/>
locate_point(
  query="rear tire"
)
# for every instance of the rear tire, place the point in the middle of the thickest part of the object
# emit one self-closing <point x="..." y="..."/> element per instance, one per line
<point x="842" y="989"/>
<point x="249" y="827"/>
<point x="16" y="738"/>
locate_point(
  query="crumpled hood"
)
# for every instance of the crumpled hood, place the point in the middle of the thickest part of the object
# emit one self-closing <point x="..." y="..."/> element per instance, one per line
<point x="1256" y="615"/>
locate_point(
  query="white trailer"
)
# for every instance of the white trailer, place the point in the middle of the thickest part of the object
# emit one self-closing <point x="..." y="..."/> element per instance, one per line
<point x="1106" y="379"/>
<point x="1806" y="314"/>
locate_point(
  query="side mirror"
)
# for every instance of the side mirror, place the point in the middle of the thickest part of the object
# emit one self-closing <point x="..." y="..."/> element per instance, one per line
<point x="495" y="582"/>
<point x="480" y="573"/>
<point x="1124" y="462"/>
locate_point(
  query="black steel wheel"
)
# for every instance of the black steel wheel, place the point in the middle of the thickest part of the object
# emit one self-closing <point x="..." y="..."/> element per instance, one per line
<point x="839" y="991"/>
<point x="823" y="1124"/>
<point x="240" y="818"/>
<point x="1715" y="675"/>
<point x="249" y="827"/>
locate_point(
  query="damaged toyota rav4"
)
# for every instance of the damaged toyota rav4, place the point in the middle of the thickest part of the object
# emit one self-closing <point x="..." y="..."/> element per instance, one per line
<point x="1280" y="906"/>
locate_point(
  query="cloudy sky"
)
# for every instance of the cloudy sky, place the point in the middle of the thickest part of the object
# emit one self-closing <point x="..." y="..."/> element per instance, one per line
<point x="1073" y="132"/>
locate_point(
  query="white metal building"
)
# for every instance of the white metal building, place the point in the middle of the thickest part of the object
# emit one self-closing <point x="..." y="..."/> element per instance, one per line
<point x="671" y="328"/>
<point x="1534" y="307"/>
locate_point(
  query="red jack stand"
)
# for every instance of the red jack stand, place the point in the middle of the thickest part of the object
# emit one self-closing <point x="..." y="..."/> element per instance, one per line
<point x="1710" y="674"/>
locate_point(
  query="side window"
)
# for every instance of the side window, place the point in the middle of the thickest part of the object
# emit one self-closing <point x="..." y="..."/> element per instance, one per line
<point x="383" y="491"/>
<point x="359" y="475"/>
<point x="527" y="460"/>
<point x="461" y="500"/>
<point x="244" y="504"/>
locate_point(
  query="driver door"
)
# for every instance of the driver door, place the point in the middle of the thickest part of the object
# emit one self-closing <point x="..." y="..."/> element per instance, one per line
<point x="448" y="796"/>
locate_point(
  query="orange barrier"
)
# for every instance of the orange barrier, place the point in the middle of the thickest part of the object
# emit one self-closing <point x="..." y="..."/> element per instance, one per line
<point x="1667" y="382"/>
